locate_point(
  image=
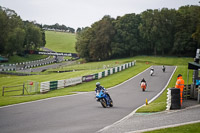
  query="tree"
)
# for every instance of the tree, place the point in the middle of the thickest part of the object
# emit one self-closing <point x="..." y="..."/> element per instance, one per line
<point x="95" y="43"/>
<point x="15" y="42"/>
<point x="166" y="30"/>
<point x="126" y="42"/>
<point x="16" y="35"/>
<point x="148" y="30"/>
<point x="4" y="28"/>
<point x="12" y="33"/>
<point x="33" y="39"/>
<point x="186" y="26"/>
<point x="82" y="43"/>
<point x="78" y="30"/>
<point x="100" y="43"/>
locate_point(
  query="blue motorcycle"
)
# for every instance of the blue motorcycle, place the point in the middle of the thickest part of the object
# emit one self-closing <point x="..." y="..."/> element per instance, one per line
<point x="104" y="99"/>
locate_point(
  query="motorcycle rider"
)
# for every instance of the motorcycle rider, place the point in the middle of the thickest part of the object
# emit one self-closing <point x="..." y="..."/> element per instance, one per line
<point x="99" y="88"/>
<point x="151" y="71"/>
<point x="163" y="68"/>
<point x="143" y="80"/>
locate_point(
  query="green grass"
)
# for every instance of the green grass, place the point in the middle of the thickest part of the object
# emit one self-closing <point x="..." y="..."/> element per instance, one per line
<point x="17" y="59"/>
<point x="91" y="68"/>
<point x="94" y="65"/>
<point x="172" y="61"/>
<point x="109" y="81"/>
<point x="189" y="128"/>
<point x="60" y="41"/>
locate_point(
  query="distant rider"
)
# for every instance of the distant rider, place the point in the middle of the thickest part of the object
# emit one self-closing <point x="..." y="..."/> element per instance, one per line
<point x="151" y="71"/>
<point x="143" y="80"/>
<point x="163" y="68"/>
<point x="99" y="88"/>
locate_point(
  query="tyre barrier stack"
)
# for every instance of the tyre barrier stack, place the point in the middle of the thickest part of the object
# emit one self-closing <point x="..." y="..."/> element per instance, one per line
<point x="26" y="65"/>
<point x="173" y="98"/>
<point x="53" y="85"/>
<point x="168" y="99"/>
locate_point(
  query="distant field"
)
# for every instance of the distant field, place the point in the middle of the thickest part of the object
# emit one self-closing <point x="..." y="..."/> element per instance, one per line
<point x="60" y="41"/>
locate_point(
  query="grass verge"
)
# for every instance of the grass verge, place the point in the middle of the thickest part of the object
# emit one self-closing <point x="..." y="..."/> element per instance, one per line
<point x="190" y="128"/>
<point x="109" y="81"/>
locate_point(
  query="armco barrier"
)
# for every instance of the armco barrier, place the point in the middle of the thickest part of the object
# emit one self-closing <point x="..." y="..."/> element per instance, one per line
<point x="72" y="81"/>
<point x="44" y="87"/>
<point x="25" y="65"/>
<point x="88" y="78"/>
<point x="52" y="85"/>
<point x="106" y="73"/>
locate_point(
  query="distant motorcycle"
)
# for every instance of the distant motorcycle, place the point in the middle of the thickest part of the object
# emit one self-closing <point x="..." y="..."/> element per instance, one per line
<point x="104" y="99"/>
<point x="163" y="69"/>
<point x="143" y="86"/>
<point x="151" y="72"/>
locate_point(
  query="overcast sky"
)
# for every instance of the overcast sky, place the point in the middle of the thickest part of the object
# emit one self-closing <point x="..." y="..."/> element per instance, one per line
<point x="82" y="13"/>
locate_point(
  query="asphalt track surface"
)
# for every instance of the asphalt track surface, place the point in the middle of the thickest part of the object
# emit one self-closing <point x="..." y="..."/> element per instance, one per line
<point x="80" y="113"/>
<point x="141" y="122"/>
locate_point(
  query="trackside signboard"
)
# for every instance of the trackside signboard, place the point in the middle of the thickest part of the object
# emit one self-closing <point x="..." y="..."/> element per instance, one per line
<point x="50" y="53"/>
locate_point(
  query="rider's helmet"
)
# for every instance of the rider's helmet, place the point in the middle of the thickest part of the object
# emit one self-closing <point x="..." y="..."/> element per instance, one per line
<point x="179" y="75"/>
<point x="97" y="84"/>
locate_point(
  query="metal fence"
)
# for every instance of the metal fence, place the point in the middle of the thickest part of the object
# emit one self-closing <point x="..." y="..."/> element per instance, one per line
<point x="27" y="88"/>
<point x="12" y="89"/>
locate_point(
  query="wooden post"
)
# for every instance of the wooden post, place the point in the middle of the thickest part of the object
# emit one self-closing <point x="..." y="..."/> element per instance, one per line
<point x="187" y="84"/>
<point x="23" y="89"/>
<point x="3" y="92"/>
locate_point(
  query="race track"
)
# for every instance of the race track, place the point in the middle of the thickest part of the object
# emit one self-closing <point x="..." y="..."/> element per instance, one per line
<point x="81" y="113"/>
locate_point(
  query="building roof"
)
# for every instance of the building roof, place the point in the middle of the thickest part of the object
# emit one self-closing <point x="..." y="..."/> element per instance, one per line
<point x="193" y="65"/>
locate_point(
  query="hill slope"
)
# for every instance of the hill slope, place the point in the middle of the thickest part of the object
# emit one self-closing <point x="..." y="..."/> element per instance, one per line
<point x="60" y="41"/>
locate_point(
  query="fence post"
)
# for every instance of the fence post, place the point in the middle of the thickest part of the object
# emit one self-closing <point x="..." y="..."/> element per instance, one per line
<point x="3" y="92"/>
<point x="23" y="89"/>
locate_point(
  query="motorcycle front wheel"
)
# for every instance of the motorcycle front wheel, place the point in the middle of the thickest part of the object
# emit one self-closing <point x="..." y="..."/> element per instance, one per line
<point x="103" y="102"/>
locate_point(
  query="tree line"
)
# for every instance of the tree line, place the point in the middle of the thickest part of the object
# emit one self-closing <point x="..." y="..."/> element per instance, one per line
<point x="58" y="27"/>
<point x="17" y="35"/>
<point x="162" y="32"/>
